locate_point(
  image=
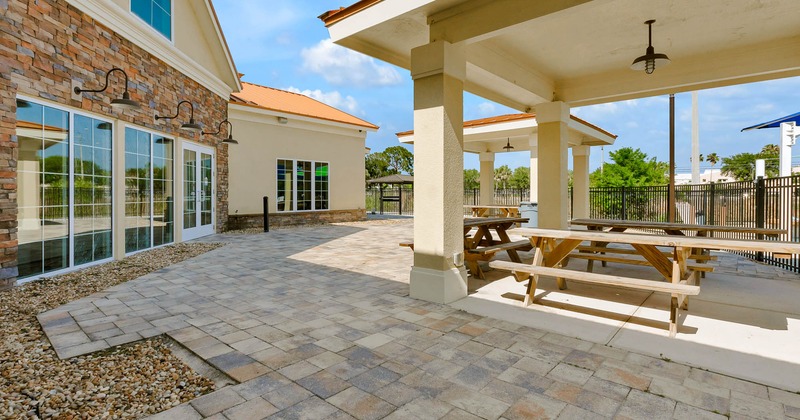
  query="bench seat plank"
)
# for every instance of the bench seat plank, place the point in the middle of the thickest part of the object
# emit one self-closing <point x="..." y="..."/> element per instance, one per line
<point x="607" y="279"/>
<point x="634" y="261"/>
<point x="629" y="251"/>
<point x="491" y="249"/>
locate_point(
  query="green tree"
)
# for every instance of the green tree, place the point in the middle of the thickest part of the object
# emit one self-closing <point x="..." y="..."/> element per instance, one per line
<point x="501" y="177"/>
<point x="472" y="179"/>
<point x="630" y="168"/>
<point x="400" y="159"/>
<point x="376" y="165"/>
<point x="742" y="166"/>
<point x="713" y="159"/>
<point x="520" y="178"/>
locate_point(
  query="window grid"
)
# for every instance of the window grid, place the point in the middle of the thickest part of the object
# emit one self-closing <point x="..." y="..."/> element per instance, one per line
<point x="303" y="189"/>
<point x="156" y="13"/>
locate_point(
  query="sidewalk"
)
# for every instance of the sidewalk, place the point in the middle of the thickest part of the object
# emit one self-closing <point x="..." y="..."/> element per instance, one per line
<point x="316" y="323"/>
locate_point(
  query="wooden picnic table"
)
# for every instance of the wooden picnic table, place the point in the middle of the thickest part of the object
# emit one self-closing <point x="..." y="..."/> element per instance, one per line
<point x="485" y="211"/>
<point x="554" y="246"/>
<point x="483" y="245"/>
<point x="611" y="225"/>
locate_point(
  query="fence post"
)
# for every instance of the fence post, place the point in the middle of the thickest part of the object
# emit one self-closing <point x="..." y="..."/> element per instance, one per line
<point x="761" y="201"/>
<point x="624" y="210"/>
<point x="711" y="206"/>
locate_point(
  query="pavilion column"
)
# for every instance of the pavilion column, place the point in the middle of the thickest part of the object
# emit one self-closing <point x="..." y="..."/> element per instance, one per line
<point x="552" y="119"/>
<point x="533" y="143"/>
<point x="487" y="178"/>
<point x="580" y="181"/>
<point x="438" y="274"/>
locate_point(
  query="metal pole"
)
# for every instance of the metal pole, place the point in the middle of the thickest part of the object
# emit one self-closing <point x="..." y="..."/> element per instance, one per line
<point x="671" y="213"/>
<point x="266" y="214"/>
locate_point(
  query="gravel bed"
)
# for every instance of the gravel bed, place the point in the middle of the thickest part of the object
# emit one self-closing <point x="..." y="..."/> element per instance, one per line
<point x="130" y="381"/>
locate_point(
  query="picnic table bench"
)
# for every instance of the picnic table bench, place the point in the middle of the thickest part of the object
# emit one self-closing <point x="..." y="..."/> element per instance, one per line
<point x="553" y="246"/>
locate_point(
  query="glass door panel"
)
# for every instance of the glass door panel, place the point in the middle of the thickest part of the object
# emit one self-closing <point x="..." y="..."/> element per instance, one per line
<point x="189" y="189"/>
<point x="205" y="189"/>
<point x="198" y="191"/>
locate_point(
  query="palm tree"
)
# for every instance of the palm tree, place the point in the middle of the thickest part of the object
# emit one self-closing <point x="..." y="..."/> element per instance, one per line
<point x="713" y="159"/>
<point x="771" y="149"/>
<point x="501" y="175"/>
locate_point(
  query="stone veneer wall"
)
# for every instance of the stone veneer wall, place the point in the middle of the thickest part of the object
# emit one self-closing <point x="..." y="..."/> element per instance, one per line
<point x="44" y="45"/>
<point x="278" y="220"/>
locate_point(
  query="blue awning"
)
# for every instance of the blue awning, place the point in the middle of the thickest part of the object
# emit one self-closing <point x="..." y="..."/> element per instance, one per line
<point x="776" y="123"/>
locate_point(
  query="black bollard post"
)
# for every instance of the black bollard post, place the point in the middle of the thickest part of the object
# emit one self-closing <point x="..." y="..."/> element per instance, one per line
<point x="266" y="214"/>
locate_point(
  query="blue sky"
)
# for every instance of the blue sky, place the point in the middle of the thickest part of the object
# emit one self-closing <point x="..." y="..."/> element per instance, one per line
<point x="282" y="44"/>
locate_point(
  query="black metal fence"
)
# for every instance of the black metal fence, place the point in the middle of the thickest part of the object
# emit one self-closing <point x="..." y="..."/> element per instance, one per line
<point x="766" y="203"/>
<point x="400" y="200"/>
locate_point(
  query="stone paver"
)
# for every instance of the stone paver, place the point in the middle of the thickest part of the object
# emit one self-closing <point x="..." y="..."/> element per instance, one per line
<point x="317" y="323"/>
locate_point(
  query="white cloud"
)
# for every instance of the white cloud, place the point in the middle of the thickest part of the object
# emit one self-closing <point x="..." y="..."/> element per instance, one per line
<point x="486" y="108"/>
<point x="333" y="98"/>
<point x="341" y="66"/>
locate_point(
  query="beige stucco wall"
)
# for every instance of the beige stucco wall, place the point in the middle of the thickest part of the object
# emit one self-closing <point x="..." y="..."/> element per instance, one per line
<point x="263" y="140"/>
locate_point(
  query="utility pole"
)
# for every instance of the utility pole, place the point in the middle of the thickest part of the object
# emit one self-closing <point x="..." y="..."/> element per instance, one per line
<point x="695" y="141"/>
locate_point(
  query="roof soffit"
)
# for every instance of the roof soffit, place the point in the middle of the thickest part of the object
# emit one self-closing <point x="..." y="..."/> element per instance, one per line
<point x="580" y="52"/>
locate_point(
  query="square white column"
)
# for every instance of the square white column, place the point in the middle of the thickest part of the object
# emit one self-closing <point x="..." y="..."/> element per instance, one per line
<point x="580" y="181"/>
<point x="552" y="119"/>
<point x="487" y="178"/>
<point x="438" y="274"/>
<point x="533" y="144"/>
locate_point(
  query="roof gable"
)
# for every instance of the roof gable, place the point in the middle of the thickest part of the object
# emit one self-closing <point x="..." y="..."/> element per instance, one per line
<point x="197" y="49"/>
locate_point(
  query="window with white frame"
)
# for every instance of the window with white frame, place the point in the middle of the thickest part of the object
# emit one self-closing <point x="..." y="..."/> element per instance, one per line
<point x="149" y="186"/>
<point x="64" y="189"/>
<point x="302" y="185"/>
<point x="156" y="13"/>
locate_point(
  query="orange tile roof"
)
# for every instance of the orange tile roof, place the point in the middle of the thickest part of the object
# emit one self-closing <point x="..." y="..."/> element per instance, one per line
<point x="512" y="117"/>
<point x="292" y="103"/>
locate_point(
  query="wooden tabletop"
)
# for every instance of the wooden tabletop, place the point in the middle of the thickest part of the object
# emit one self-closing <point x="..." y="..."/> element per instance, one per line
<point x="492" y="206"/>
<point x="660" y="240"/>
<point x="667" y="227"/>
<point x="485" y="221"/>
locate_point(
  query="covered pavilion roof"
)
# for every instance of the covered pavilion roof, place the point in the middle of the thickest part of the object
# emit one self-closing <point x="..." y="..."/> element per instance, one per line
<point x="393" y="179"/>
<point x="491" y="134"/>
<point x="524" y="53"/>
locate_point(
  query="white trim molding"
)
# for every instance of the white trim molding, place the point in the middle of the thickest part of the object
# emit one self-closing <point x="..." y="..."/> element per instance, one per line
<point x="129" y="26"/>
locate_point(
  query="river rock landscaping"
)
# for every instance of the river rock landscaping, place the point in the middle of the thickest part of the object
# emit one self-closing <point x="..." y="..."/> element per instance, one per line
<point x="130" y="381"/>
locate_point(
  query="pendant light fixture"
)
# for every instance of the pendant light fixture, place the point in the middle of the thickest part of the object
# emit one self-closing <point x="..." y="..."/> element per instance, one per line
<point x="650" y="60"/>
<point x="508" y="147"/>
<point x="228" y="140"/>
<point x="125" y="102"/>
<point x="191" y="125"/>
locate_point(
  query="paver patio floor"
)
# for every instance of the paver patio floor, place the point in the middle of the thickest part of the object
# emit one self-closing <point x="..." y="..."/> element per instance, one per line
<point x="317" y="323"/>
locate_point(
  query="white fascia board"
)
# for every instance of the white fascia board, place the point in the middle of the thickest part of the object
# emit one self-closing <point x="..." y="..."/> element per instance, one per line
<point x="373" y="16"/>
<point x="406" y="139"/>
<point x="585" y="130"/>
<point x="126" y="25"/>
<point x="270" y="117"/>
<point x="526" y="124"/>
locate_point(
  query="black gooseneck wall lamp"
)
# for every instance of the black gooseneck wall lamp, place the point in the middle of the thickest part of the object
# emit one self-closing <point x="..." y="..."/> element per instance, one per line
<point x="191" y="125"/>
<point x="228" y="140"/>
<point x="125" y="102"/>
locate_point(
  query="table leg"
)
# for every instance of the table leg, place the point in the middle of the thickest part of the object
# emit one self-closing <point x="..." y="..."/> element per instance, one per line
<point x="501" y="233"/>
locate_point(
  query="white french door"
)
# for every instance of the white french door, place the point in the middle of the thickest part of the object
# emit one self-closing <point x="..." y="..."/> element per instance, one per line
<point x="198" y="191"/>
